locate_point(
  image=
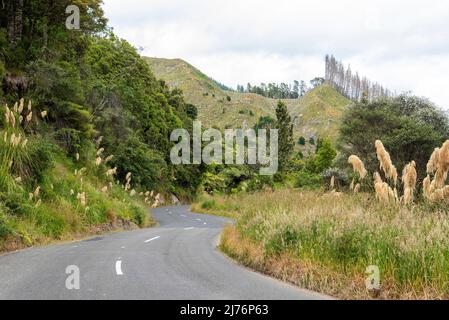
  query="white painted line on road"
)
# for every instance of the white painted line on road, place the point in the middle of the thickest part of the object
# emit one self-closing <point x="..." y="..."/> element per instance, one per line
<point x="198" y="219"/>
<point x="204" y="223"/>
<point x="183" y="215"/>
<point x="118" y="267"/>
<point x="146" y="241"/>
<point x="189" y="228"/>
<point x="123" y="247"/>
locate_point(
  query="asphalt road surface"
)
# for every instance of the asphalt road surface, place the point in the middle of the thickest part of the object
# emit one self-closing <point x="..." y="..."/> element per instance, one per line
<point x="176" y="260"/>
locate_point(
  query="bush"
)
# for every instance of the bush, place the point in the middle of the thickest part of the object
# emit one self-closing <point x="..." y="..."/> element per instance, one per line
<point x="148" y="167"/>
<point x="308" y="180"/>
<point x="5" y="229"/>
<point x="325" y="155"/>
<point x="208" y="204"/>
<point x="258" y="183"/>
<point x="16" y="204"/>
<point x="139" y="216"/>
<point x="340" y="176"/>
<point x="51" y="223"/>
<point x="283" y="240"/>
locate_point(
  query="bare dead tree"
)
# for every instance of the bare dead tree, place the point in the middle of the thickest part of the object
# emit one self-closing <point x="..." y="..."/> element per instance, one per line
<point x="350" y="84"/>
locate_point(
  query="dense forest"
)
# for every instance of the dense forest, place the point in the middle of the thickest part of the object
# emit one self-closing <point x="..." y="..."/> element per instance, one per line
<point x="350" y="84"/>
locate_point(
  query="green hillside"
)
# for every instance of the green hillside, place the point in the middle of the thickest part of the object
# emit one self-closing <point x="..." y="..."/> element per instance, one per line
<point x="317" y="114"/>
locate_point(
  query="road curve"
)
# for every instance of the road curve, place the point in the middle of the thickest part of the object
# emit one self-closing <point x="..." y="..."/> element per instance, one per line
<point x="176" y="260"/>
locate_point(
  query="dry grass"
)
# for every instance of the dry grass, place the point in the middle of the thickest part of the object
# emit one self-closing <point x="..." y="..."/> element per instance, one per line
<point x="325" y="242"/>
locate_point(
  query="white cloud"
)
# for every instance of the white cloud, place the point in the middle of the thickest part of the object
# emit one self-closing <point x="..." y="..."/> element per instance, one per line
<point x="402" y="44"/>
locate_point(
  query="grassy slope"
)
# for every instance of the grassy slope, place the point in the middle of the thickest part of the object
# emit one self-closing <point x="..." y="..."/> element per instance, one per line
<point x="317" y="114"/>
<point x="55" y="213"/>
<point x="325" y="242"/>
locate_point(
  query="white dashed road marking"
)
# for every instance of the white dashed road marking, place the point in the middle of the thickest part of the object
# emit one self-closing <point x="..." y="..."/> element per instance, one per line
<point x="146" y="241"/>
<point x="118" y="267"/>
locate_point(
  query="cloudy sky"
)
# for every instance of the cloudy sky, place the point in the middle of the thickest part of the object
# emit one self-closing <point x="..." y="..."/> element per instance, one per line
<point x="401" y="44"/>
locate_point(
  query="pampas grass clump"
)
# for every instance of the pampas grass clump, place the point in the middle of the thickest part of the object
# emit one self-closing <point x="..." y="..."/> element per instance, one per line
<point x="385" y="162"/>
<point x="357" y="166"/>
<point x="438" y="166"/>
<point x="409" y="178"/>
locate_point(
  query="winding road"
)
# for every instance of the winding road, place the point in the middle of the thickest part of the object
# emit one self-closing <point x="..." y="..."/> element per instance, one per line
<point x="176" y="260"/>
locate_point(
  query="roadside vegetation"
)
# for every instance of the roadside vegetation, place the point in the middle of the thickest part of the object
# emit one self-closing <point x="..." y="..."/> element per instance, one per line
<point x="325" y="242"/>
<point x="45" y="195"/>
<point x="364" y="204"/>
<point x="85" y="128"/>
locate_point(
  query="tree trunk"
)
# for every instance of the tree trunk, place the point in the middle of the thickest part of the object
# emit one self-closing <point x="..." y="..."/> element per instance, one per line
<point x="15" y="21"/>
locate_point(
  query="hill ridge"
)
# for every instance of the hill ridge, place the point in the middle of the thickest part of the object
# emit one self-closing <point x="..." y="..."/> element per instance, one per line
<point x="316" y="114"/>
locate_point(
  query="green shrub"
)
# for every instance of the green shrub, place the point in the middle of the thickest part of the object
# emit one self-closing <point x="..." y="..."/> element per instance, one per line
<point x="16" y="203"/>
<point x="309" y="180"/>
<point x="283" y="240"/>
<point x="148" y="167"/>
<point x="5" y="229"/>
<point x="51" y="223"/>
<point x="340" y="176"/>
<point x="258" y="183"/>
<point x="139" y="216"/>
<point x="208" y="204"/>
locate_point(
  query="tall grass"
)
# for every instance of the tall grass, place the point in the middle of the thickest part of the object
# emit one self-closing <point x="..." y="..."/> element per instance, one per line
<point x="45" y="196"/>
<point x="338" y="237"/>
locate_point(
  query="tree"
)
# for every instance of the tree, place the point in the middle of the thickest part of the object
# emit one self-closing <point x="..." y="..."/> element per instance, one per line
<point x="409" y="127"/>
<point x="350" y="84"/>
<point x="326" y="153"/>
<point x="285" y="134"/>
<point x="316" y="82"/>
<point x="14" y="10"/>
<point x="302" y="141"/>
<point x="312" y="140"/>
<point x="265" y="122"/>
<point x="295" y="89"/>
<point x="302" y="88"/>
